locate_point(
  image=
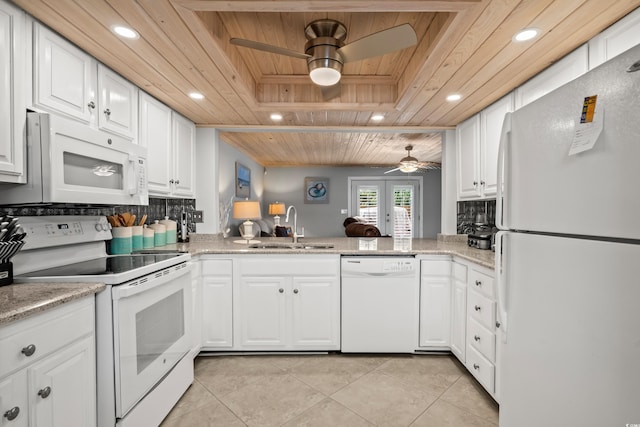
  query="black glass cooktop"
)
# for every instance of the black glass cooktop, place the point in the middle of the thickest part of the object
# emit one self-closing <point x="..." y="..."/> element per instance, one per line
<point x="110" y="265"/>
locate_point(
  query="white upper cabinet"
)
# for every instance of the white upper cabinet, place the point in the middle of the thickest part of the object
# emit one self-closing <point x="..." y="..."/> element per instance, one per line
<point x="155" y="135"/>
<point x="621" y="36"/>
<point x="477" y="142"/>
<point x="184" y="155"/>
<point x="171" y="146"/>
<point x="64" y="76"/>
<point x="467" y="154"/>
<point x="118" y="103"/>
<point x="13" y="84"/>
<point x="566" y="69"/>
<point x="71" y="82"/>
<point x="491" y="119"/>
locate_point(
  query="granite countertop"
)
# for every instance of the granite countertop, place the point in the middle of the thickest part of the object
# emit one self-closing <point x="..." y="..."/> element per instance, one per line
<point x="21" y="300"/>
<point x="214" y="244"/>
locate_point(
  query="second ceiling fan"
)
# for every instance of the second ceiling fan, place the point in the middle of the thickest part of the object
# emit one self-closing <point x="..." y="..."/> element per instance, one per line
<point x="326" y="51"/>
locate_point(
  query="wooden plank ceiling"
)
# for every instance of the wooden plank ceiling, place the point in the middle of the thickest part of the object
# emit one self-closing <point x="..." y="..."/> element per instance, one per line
<point x="464" y="46"/>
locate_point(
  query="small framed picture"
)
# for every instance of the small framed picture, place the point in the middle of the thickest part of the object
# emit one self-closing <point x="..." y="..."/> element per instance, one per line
<point x="316" y="190"/>
<point x="243" y="181"/>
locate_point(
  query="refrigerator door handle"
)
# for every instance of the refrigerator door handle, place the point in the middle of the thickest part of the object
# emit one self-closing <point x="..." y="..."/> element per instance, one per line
<point x="501" y="287"/>
<point x="505" y="139"/>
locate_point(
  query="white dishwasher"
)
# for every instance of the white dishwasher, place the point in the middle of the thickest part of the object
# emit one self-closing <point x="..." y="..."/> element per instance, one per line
<point x="380" y="303"/>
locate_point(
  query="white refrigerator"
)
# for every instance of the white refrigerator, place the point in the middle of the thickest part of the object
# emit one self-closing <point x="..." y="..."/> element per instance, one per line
<point x="568" y="254"/>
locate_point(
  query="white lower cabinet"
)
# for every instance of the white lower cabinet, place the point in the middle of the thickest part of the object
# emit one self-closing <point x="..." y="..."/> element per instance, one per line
<point x="481" y="352"/>
<point x="459" y="310"/>
<point x="48" y="368"/>
<point x="287" y="303"/>
<point x="435" y="303"/>
<point x="216" y="303"/>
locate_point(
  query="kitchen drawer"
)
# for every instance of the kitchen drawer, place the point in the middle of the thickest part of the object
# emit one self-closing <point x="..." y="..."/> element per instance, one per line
<point x="435" y="268"/>
<point x="217" y="267"/>
<point x="482" y="340"/>
<point x="481" y="282"/>
<point x="290" y="265"/>
<point x="482" y="309"/>
<point x="459" y="271"/>
<point x="47" y="332"/>
<point x="481" y="368"/>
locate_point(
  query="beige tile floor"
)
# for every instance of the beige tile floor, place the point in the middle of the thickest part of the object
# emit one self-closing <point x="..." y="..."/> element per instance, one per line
<point x="332" y="391"/>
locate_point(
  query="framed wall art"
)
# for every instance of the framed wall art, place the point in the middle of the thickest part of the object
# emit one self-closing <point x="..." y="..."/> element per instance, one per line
<point x="316" y="190"/>
<point x="243" y="181"/>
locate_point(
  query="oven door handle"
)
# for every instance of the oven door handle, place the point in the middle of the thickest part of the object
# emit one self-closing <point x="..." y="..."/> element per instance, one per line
<point x="153" y="280"/>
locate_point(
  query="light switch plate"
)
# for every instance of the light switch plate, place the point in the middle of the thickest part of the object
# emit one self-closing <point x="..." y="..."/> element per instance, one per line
<point x="343" y="211"/>
<point x="197" y="216"/>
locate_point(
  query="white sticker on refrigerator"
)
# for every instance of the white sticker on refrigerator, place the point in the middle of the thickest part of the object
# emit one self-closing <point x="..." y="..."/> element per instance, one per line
<point x="589" y="128"/>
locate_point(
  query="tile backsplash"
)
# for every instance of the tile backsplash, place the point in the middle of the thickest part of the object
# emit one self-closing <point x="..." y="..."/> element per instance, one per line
<point x="158" y="208"/>
<point x="468" y="211"/>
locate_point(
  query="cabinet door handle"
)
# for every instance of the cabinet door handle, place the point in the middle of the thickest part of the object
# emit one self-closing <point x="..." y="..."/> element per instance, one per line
<point x="295" y="291"/>
<point x="29" y="350"/>
<point x="477" y="338"/>
<point x="281" y="290"/>
<point x="478" y="283"/>
<point x="12" y="413"/>
<point x="477" y="308"/>
<point x="476" y="366"/>
<point x="91" y="105"/>
<point x="475" y="183"/>
<point x="171" y="181"/>
<point x="482" y="183"/>
<point x="45" y="392"/>
<point x="177" y="181"/>
<point x="107" y="112"/>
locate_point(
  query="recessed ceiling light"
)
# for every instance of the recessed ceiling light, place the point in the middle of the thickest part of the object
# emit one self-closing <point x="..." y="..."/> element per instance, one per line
<point x="377" y="117"/>
<point x="276" y="116"/>
<point x="196" y="95"/>
<point x="526" y="34"/>
<point x="454" y="97"/>
<point x="125" y="32"/>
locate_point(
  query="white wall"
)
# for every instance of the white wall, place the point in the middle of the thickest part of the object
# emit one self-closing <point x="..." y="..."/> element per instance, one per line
<point x="449" y="192"/>
<point x="207" y="179"/>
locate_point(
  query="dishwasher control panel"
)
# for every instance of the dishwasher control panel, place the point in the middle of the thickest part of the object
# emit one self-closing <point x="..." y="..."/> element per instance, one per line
<point x="400" y="266"/>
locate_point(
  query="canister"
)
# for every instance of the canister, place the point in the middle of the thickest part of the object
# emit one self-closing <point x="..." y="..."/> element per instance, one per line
<point x="136" y="238"/>
<point x="172" y="230"/>
<point x="160" y="238"/>
<point x="120" y="241"/>
<point x="148" y="237"/>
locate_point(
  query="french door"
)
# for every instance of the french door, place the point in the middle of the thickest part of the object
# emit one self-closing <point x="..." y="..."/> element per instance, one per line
<point x="391" y="205"/>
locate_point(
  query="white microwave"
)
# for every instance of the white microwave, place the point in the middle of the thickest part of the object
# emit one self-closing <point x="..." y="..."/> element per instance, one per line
<point x="70" y="162"/>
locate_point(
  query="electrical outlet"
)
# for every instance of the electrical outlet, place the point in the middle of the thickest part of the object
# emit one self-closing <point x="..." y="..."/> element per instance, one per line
<point x="343" y="211"/>
<point x="197" y="216"/>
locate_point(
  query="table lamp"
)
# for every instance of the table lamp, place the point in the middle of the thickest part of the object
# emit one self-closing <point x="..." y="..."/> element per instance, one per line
<point x="247" y="210"/>
<point x="276" y="209"/>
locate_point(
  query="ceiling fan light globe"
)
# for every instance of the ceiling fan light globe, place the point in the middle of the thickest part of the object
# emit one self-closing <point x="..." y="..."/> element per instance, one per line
<point x="408" y="168"/>
<point x="325" y="76"/>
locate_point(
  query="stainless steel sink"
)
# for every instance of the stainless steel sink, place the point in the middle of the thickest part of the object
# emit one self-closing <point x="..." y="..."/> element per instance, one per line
<point x="282" y="245"/>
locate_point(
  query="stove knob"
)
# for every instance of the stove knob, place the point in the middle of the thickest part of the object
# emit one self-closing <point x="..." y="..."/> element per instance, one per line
<point x="100" y="227"/>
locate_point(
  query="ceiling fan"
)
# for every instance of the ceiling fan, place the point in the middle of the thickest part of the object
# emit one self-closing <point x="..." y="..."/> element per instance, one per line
<point x="411" y="164"/>
<point x="326" y="52"/>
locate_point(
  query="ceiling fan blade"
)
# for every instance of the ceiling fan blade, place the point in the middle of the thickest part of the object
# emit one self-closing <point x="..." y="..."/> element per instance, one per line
<point x="385" y="41"/>
<point x="268" y="48"/>
<point x="330" y="92"/>
<point x="392" y="170"/>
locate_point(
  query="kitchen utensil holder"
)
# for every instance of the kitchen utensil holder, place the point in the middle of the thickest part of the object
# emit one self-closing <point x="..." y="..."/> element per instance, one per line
<point x="7" y="251"/>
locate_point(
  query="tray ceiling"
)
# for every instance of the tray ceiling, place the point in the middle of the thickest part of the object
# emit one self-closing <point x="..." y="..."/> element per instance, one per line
<point x="463" y="47"/>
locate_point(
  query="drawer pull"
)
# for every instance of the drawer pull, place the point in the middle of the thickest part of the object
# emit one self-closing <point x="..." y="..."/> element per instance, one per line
<point x="476" y="366"/>
<point x="45" y="392"/>
<point x="281" y="290"/>
<point x="295" y="291"/>
<point x="29" y="350"/>
<point x="478" y="283"/>
<point x="477" y="338"/>
<point x="12" y="413"/>
<point x="477" y="308"/>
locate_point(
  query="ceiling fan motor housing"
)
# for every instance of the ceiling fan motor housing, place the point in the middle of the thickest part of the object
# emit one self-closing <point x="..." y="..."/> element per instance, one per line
<point x="325" y="37"/>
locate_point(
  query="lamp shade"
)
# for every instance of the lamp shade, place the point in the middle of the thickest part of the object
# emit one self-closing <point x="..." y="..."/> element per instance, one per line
<point x="276" y="208"/>
<point x="246" y="209"/>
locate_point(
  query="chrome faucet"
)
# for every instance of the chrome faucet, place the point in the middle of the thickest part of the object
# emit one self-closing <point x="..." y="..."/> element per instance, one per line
<point x="295" y="234"/>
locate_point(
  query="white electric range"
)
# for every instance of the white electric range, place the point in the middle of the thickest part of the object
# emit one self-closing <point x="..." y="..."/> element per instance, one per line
<point x="143" y="318"/>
